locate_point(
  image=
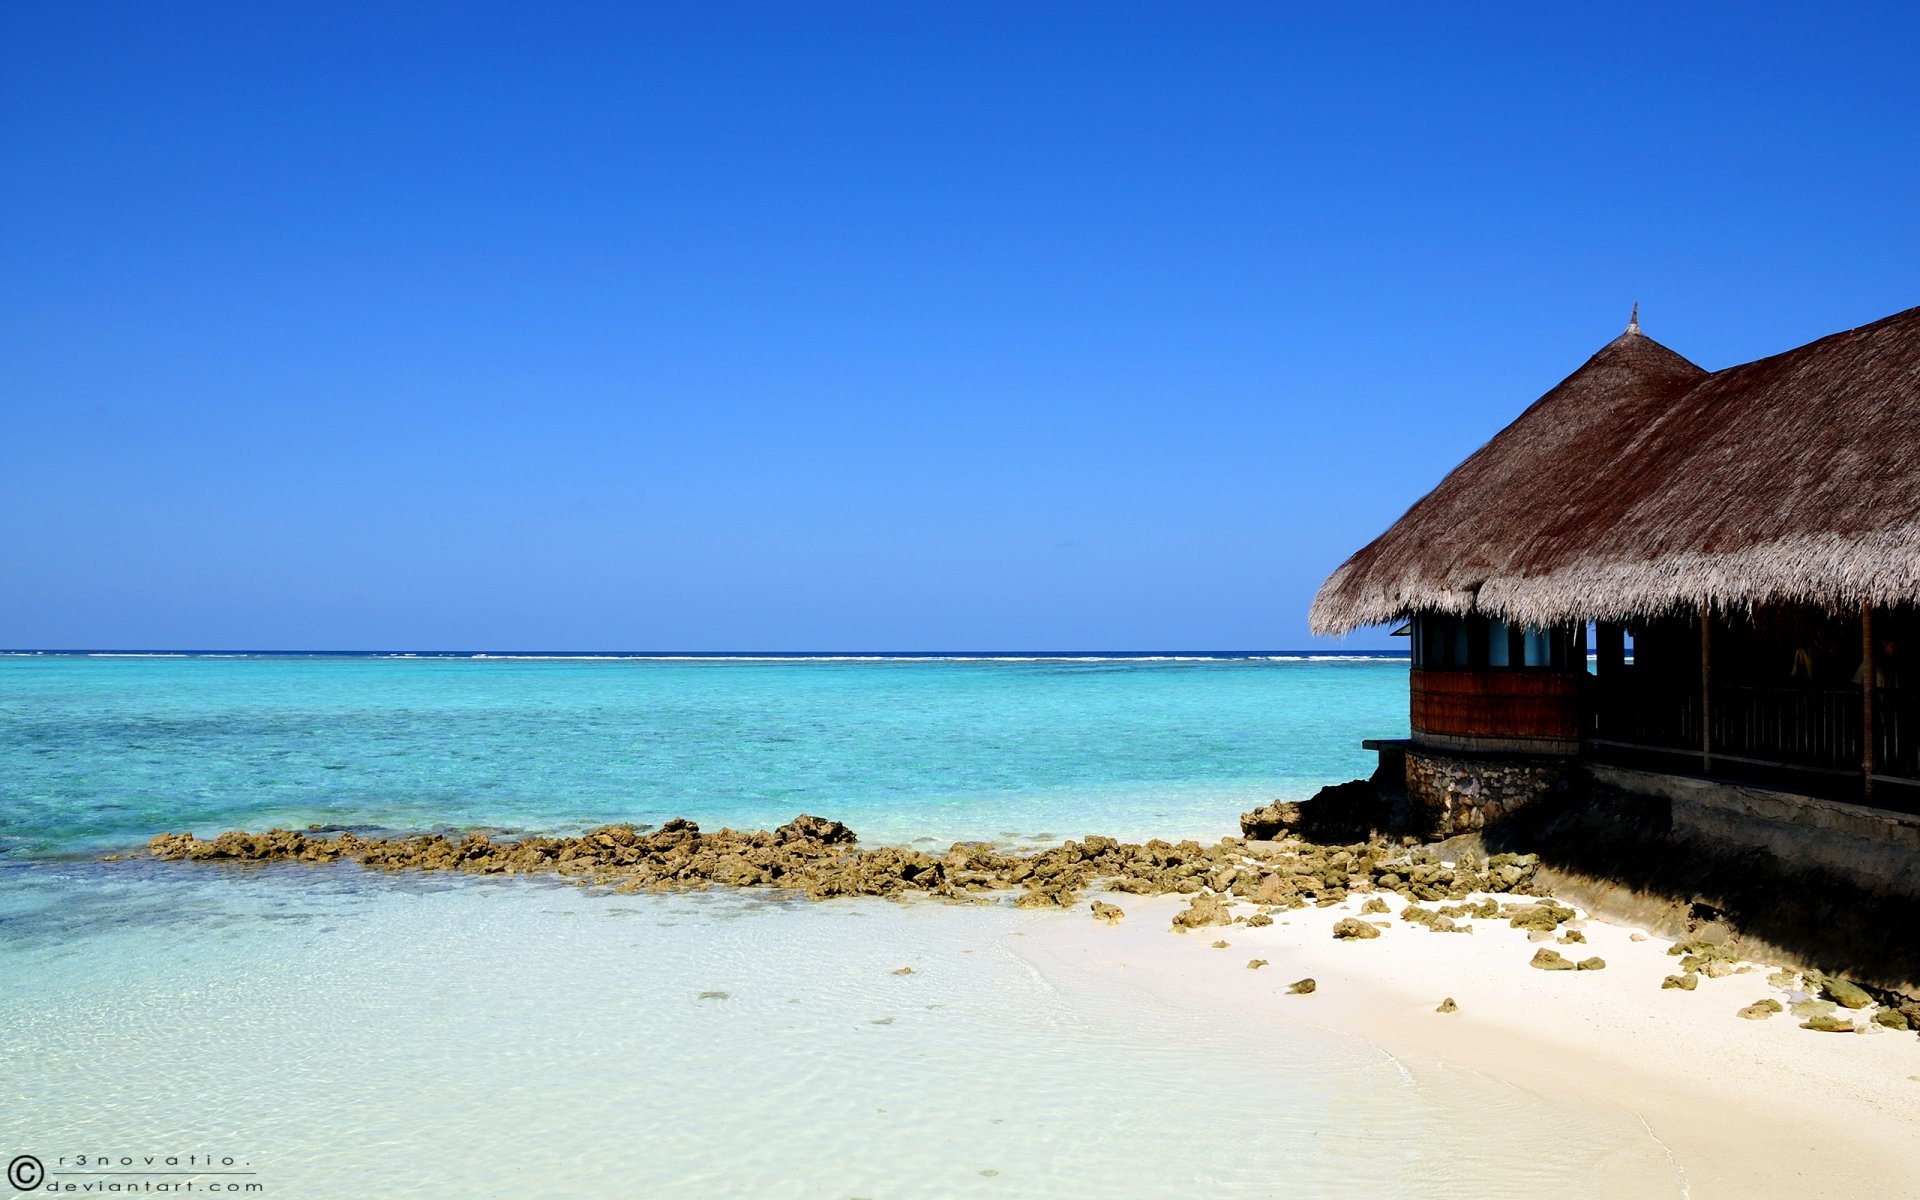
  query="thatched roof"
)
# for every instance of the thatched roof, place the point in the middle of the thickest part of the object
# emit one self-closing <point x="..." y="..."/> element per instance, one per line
<point x="1641" y="483"/>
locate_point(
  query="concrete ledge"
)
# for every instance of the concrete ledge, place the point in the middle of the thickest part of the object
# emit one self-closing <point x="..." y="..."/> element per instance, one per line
<point x="1878" y="849"/>
<point x="1458" y="743"/>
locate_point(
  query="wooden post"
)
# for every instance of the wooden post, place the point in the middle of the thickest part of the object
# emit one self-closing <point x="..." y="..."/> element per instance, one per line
<point x="1609" y="649"/>
<point x="1706" y="688"/>
<point x="1869" y="669"/>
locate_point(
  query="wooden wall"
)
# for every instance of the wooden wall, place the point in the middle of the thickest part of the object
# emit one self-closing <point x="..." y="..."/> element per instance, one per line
<point x="1505" y="710"/>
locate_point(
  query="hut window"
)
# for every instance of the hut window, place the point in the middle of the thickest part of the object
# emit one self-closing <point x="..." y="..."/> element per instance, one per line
<point x="1538" y="647"/>
<point x="1442" y="643"/>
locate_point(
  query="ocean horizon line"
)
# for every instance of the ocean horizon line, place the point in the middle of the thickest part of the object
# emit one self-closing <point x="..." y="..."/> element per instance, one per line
<point x="1304" y="655"/>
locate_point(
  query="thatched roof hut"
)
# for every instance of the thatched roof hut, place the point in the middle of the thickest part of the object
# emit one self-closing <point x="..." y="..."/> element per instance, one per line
<point x="1642" y="484"/>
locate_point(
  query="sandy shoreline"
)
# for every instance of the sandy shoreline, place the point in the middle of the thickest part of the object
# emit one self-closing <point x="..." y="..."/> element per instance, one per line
<point x="1744" y="1108"/>
<point x="1728" y="1107"/>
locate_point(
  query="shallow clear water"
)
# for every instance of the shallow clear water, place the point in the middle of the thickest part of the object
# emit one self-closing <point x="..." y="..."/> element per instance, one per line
<point x="335" y="1030"/>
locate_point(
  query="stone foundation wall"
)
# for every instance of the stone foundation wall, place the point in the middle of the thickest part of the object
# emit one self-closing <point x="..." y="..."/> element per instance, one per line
<point x="1449" y="794"/>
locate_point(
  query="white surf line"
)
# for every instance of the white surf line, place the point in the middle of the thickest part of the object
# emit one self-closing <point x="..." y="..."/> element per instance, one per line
<point x="1685" y="1192"/>
<point x="1035" y="976"/>
<point x="1406" y="1076"/>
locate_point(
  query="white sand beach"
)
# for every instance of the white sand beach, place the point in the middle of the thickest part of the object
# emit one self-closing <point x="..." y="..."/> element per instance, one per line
<point x="1743" y="1108"/>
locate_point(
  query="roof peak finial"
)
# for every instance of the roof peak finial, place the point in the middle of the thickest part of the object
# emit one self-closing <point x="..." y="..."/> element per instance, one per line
<point x="1633" y="322"/>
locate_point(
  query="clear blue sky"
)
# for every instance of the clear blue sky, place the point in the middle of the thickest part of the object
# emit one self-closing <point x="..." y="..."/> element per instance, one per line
<point x="799" y="326"/>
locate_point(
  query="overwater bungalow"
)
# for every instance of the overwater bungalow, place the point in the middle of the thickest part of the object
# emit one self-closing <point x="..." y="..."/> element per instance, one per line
<point x="1676" y="580"/>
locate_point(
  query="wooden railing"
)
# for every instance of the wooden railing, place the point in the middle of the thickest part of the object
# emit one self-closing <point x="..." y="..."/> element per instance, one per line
<point x="1803" y="731"/>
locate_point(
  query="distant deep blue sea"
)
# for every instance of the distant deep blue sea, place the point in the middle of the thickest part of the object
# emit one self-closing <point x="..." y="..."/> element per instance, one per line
<point x="100" y="751"/>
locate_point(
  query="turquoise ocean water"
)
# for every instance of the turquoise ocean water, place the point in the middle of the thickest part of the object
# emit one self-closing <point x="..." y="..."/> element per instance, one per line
<point x="102" y="752"/>
<point x="332" y="1031"/>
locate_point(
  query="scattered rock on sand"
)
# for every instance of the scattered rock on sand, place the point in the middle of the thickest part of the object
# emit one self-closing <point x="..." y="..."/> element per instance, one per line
<point x="1347" y="928"/>
<point x="1596" y="963"/>
<point x="1813" y="1008"/>
<point x="1448" y="1005"/>
<point x="1301" y="987"/>
<point x="1571" y="936"/>
<point x="1221" y="945"/>
<point x="1846" y="995"/>
<point x="714" y="996"/>
<point x="1254" y="964"/>
<point x="1712" y="959"/>
<point x="1373" y="905"/>
<point x="1685" y="983"/>
<point x="904" y="971"/>
<point x="1760" y="1010"/>
<point x="1892" y="1018"/>
<point x="1545" y="916"/>
<point x="1204" y="910"/>
<point x="1636" y="937"/>
<point x="1829" y="1025"/>
<point x="1110" y="913"/>
<point x="1259" y="920"/>
<point x="1434" y="921"/>
<point x="1550" y="960"/>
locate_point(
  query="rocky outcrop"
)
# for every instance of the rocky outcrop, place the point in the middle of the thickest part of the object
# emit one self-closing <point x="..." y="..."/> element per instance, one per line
<point x="1344" y="812"/>
<point x="819" y="858"/>
<point x="805" y="828"/>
